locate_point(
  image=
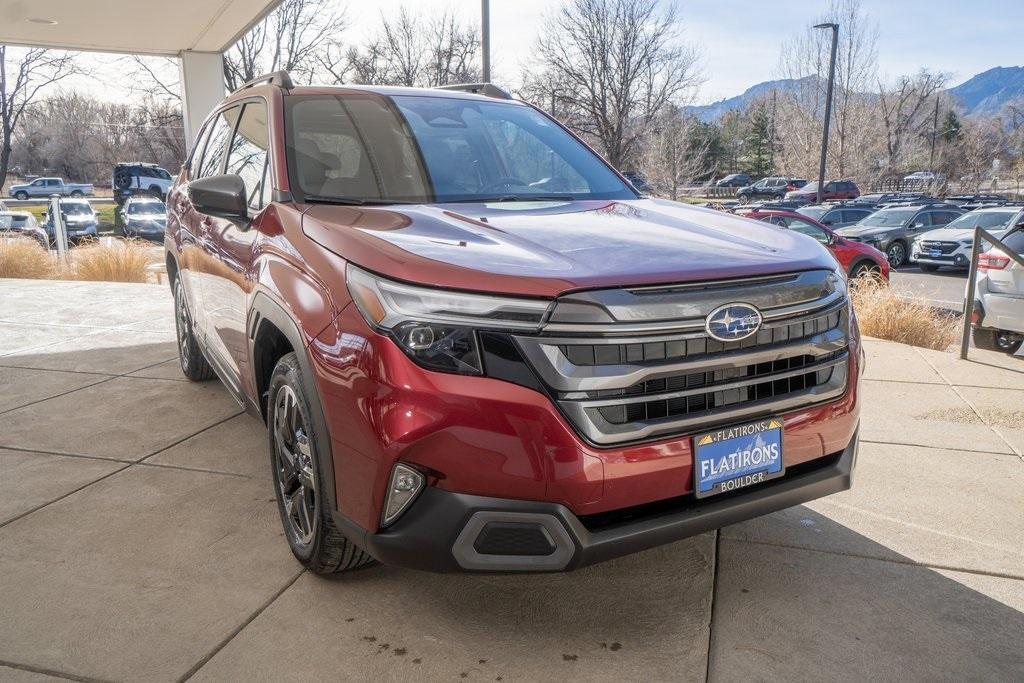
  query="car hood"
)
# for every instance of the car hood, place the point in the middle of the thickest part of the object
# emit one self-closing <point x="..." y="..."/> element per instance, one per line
<point x="547" y="248"/>
<point x="956" y="234"/>
<point x="867" y="230"/>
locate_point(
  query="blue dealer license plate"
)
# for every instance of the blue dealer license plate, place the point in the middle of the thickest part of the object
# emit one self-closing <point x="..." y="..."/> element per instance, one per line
<point x="736" y="457"/>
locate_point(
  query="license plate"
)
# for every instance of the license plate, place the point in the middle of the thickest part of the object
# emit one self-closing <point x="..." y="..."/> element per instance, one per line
<point x="736" y="457"/>
<point x="935" y="253"/>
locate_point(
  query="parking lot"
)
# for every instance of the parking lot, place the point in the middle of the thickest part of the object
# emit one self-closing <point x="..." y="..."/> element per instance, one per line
<point x="139" y="540"/>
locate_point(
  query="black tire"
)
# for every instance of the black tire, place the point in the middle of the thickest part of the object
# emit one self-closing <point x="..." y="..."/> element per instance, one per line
<point x="193" y="363"/>
<point x="321" y="547"/>
<point x="77" y="195"/>
<point x="22" y="196"/>
<point x="896" y="253"/>
<point x="865" y="269"/>
<point x="928" y="268"/>
<point x="985" y="338"/>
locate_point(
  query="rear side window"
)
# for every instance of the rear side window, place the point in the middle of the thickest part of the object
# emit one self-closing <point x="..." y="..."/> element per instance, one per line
<point x="247" y="155"/>
<point x="1015" y="241"/>
<point x="213" y="154"/>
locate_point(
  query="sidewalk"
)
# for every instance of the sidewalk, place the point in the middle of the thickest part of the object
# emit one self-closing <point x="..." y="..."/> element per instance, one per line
<point x="139" y="540"/>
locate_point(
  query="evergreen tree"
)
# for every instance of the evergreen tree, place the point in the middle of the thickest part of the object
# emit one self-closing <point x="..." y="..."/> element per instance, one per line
<point x="759" y="161"/>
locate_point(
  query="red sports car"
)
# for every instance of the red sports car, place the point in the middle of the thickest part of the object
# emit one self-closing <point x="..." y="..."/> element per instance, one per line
<point x="857" y="258"/>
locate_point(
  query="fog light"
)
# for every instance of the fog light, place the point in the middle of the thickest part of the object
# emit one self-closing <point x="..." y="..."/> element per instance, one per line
<point x="405" y="485"/>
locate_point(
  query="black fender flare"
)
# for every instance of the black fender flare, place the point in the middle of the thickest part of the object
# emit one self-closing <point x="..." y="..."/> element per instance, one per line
<point x="265" y="309"/>
<point x="863" y="260"/>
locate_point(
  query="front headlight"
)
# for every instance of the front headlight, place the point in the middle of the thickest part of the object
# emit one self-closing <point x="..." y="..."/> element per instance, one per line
<point x="437" y="328"/>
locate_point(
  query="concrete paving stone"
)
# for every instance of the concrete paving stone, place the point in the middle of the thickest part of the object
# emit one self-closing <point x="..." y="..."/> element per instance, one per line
<point x="789" y="614"/>
<point x="100" y="312"/>
<point x="141" y="575"/>
<point x="897" y="362"/>
<point x="33" y="479"/>
<point x="923" y="414"/>
<point x="112" y="352"/>
<point x="642" y="617"/>
<point x="1002" y="409"/>
<point x="169" y="369"/>
<point x="911" y="503"/>
<point x="238" y="446"/>
<point x="11" y="675"/>
<point x="125" y="418"/>
<point x="22" y="386"/>
<point x="17" y="338"/>
<point x="982" y="368"/>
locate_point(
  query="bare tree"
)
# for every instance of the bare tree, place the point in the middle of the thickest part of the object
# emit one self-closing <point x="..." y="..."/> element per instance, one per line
<point x="414" y="50"/>
<point x="616" y="64"/>
<point x="23" y="75"/>
<point x="154" y="77"/>
<point x="676" y="153"/>
<point x="297" y="37"/>
<point x="904" y="108"/>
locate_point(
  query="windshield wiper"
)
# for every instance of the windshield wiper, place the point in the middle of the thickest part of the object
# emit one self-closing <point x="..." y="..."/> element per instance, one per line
<point x="349" y="201"/>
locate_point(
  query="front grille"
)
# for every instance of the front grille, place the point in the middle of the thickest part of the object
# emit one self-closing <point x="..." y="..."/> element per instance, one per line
<point x="941" y="247"/>
<point x="624" y="387"/>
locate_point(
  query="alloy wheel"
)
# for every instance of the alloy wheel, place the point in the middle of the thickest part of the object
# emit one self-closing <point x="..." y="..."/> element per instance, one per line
<point x="182" y="325"/>
<point x="293" y="467"/>
<point x="896" y="255"/>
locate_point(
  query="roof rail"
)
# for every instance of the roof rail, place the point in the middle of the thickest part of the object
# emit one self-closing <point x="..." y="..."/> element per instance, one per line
<point x="281" y="79"/>
<point x="487" y="89"/>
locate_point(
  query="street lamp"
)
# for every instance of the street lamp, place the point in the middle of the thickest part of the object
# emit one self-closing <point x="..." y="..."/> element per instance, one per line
<point x="828" y="105"/>
<point x="485" y="39"/>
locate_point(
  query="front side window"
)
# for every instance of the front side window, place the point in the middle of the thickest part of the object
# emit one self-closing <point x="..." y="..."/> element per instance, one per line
<point x="213" y="155"/>
<point x="37" y="183"/>
<point x="438" y="149"/>
<point x="247" y="155"/>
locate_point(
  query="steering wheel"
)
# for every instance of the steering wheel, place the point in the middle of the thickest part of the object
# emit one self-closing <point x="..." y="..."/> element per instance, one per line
<point x="501" y="184"/>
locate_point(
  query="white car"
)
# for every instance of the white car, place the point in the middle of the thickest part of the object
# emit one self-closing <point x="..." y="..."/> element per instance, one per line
<point x="951" y="245"/>
<point x="998" y="320"/>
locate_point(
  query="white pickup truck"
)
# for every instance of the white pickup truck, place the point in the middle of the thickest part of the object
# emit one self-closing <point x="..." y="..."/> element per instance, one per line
<point x="44" y="187"/>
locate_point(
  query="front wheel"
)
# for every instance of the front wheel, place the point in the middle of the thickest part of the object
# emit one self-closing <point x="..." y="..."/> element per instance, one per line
<point x="21" y="196"/>
<point x="865" y="270"/>
<point x="896" y="254"/>
<point x="77" y="195"/>
<point x="300" y="486"/>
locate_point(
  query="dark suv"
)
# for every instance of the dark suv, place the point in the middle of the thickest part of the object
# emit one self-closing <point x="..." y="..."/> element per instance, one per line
<point x="477" y="348"/>
<point x="834" y="190"/>
<point x="893" y="229"/>
<point x="770" y="188"/>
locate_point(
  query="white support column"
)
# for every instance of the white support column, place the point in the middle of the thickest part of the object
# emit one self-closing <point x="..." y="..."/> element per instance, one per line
<point x="202" y="87"/>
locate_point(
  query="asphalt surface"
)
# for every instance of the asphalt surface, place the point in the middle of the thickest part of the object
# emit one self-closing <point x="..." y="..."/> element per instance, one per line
<point x="943" y="289"/>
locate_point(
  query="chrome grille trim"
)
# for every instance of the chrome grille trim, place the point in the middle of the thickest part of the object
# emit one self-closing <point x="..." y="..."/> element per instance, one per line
<point x="619" y="379"/>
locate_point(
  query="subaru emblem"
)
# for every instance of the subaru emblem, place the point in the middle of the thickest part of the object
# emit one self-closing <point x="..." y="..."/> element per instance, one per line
<point x="733" y="322"/>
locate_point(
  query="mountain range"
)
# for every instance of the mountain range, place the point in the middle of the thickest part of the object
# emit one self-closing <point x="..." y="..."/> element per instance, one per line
<point x="984" y="93"/>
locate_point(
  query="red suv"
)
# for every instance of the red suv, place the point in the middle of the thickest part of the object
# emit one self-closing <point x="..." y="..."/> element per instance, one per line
<point x="477" y="348"/>
<point x="834" y="190"/>
<point x="856" y="258"/>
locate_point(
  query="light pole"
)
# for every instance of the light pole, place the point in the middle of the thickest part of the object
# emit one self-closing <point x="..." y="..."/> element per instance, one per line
<point x="485" y="39"/>
<point x="828" y="105"/>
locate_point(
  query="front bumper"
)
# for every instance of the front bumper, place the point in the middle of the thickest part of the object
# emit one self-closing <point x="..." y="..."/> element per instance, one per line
<point x="448" y="532"/>
<point x="961" y="258"/>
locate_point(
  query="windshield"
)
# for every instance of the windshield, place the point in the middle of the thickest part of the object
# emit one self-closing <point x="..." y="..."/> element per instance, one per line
<point x="889" y="218"/>
<point x="814" y="212"/>
<point x="985" y="220"/>
<point x="146" y="208"/>
<point x="811" y="187"/>
<point x="366" y="147"/>
<point x="75" y="209"/>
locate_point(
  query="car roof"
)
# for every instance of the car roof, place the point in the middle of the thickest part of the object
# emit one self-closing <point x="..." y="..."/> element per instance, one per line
<point x="16" y="213"/>
<point x="385" y="90"/>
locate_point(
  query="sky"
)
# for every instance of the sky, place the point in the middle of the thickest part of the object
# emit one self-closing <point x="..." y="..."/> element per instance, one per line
<point x="739" y="39"/>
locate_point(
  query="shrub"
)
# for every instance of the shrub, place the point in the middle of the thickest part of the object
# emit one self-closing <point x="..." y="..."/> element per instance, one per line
<point x="24" y="258"/>
<point x="884" y="314"/>
<point x="122" y="261"/>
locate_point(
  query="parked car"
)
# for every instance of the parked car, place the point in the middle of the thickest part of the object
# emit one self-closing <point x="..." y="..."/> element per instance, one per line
<point x="998" y="319"/>
<point x="80" y="222"/>
<point x="3" y="207"/>
<point x="144" y="217"/>
<point x="952" y="245"/>
<point x="834" y="190"/>
<point x="922" y="177"/>
<point x="856" y="258"/>
<point x="770" y="188"/>
<point x="638" y="181"/>
<point x="136" y="178"/>
<point x="44" y="187"/>
<point x="735" y="180"/>
<point x="21" y="224"/>
<point x="836" y="216"/>
<point x="468" y="362"/>
<point x="892" y="230"/>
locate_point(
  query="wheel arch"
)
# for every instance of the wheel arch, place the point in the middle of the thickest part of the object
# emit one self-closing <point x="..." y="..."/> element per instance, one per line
<point x="272" y="333"/>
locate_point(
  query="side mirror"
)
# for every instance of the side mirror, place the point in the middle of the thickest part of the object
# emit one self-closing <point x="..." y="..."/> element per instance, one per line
<point x="827" y="221"/>
<point x="222" y="196"/>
